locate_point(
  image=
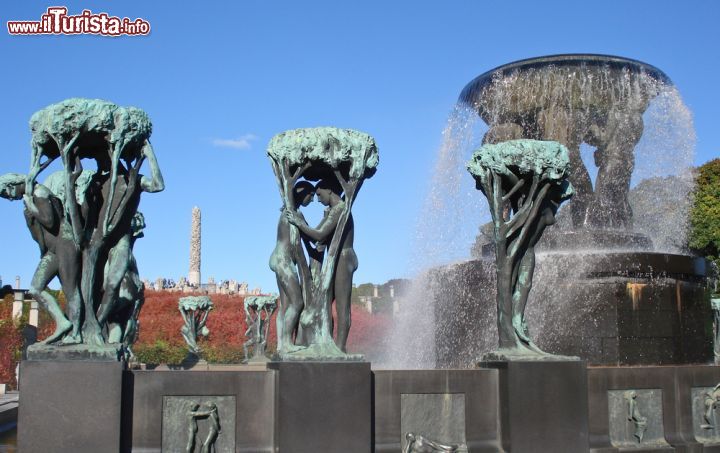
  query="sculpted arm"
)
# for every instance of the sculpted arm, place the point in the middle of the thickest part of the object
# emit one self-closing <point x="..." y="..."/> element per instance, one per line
<point x="43" y="213"/>
<point x="324" y="229"/>
<point x="155" y="182"/>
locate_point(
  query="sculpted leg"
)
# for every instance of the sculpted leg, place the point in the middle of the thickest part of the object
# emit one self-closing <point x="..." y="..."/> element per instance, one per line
<point x="347" y="264"/>
<point x="280" y="318"/>
<point x="45" y="272"/>
<point x="69" y="270"/>
<point x="91" y="330"/>
<point x="292" y="300"/>
<point x="118" y="260"/>
<point x="616" y="160"/>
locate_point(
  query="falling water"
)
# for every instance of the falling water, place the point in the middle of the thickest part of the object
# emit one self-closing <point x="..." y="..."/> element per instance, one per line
<point x="663" y="180"/>
<point x="453" y="210"/>
<point x="445" y="231"/>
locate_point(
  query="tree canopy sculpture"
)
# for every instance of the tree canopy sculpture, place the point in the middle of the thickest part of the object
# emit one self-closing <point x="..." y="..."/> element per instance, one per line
<point x="94" y="213"/>
<point x="340" y="158"/>
<point x="194" y="311"/>
<point x="525" y="181"/>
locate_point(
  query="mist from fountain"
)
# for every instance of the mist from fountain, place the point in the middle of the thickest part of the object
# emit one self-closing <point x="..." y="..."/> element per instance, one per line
<point x="446" y="229"/>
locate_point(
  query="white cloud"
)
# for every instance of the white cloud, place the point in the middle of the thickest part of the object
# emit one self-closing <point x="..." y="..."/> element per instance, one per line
<point x="242" y="142"/>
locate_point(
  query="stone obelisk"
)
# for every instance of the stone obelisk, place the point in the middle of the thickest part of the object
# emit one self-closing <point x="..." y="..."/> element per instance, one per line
<point x="194" y="274"/>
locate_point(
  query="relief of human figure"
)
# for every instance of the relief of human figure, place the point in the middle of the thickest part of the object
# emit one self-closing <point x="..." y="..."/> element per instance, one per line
<point x="214" y="429"/>
<point x="192" y="427"/>
<point x="208" y="412"/>
<point x="634" y="415"/>
<point x="45" y="217"/>
<point x="711" y="400"/>
<point x="417" y="443"/>
<point x="329" y="194"/>
<point x="284" y="262"/>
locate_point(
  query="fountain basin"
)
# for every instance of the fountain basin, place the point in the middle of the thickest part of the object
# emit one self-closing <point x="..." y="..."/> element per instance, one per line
<point x="608" y="308"/>
<point x="579" y="81"/>
<point x="573" y="99"/>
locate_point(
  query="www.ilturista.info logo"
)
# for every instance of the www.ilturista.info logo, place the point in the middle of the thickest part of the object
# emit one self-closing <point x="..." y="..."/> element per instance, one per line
<point x="57" y="22"/>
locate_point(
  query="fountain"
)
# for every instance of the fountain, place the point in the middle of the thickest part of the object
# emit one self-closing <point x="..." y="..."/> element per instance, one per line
<point x="602" y="290"/>
<point x="629" y="297"/>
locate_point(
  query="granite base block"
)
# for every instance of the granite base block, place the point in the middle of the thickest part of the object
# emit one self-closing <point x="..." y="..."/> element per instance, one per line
<point x="323" y="407"/>
<point x="245" y="399"/>
<point x="543" y="406"/>
<point x="449" y="406"/>
<point x="70" y="406"/>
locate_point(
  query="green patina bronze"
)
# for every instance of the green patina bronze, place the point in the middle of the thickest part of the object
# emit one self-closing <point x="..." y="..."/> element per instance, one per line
<point x="86" y="221"/>
<point x="258" y="311"/>
<point x="340" y="159"/>
<point x="525" y="181"/>
<point x="194" y="311"/>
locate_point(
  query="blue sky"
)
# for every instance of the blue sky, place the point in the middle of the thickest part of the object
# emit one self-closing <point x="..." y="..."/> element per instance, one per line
<point x="219" y="79"/>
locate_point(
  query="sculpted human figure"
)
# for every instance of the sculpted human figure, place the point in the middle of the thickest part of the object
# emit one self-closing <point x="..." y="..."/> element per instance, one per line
<point x="615" y="140"/>
<point x="48" y="226"/>
<point x="194" y="311"/>
<point x="258" y="311"/>
<point x="192" y="427"/>
<point x="525" y="181"/>
<point x="634" y="415"/>
<point x="128" y="292"/>
<point x="85" y="220"/>
<point x="713" y="280"/>
<point x="711" y="399"/>
<point x="417" y="443"/>
<point x="335" y="157"/>
<point x="212" y="414"/>
<point x="329" y="194"/>
<point x="546" y="218"/>
<point x="283" y="262"/>
<point x="117" y="235"/>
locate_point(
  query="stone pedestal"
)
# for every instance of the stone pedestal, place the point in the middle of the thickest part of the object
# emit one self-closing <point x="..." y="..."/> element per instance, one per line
<point x="323" y="406"/>
<point x="543" y="406"/>
<point x="156" y="403"/>
<point x="70" y="406"/>
<point x="447" y="406"/>
<point x="624" y="308"/>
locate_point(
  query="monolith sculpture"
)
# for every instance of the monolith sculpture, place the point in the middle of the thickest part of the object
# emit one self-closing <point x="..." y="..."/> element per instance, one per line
<point x="86" y="221"/>
<point x="195" y="249"/>
<point x="525" y="181"/>
<point x="339" y="160"/>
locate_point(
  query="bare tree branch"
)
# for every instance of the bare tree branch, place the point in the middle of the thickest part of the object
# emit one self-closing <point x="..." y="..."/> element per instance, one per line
<point x="531" y="216"/>
<point x="512" y="191"/>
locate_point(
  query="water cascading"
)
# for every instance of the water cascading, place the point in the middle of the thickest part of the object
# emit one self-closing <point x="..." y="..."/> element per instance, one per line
<point x="613" y="284"/>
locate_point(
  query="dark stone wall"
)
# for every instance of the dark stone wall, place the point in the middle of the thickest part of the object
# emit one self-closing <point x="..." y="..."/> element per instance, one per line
<point x="621" y="308"/>
<point x="70" y="406"/>
<point x="515" y="407"/>
<point x="479" y="389"/>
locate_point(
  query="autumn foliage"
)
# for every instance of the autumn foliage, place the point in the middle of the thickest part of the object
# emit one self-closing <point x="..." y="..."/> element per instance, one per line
<point x="11" y="343"/>
<point x="160" y="340"/>
<point x="160" y="323"/>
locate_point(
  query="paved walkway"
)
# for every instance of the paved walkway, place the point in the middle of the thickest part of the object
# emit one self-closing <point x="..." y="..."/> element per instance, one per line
<point x="9" y="407"/>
